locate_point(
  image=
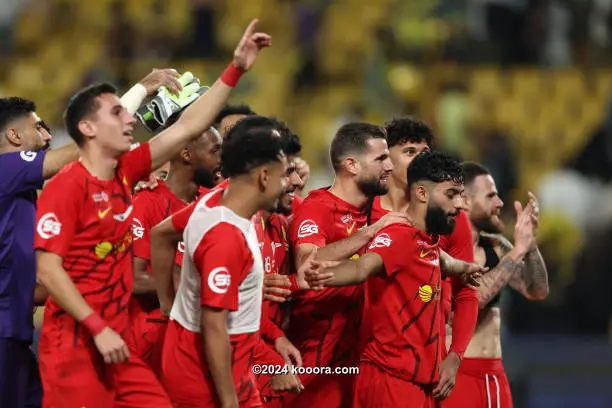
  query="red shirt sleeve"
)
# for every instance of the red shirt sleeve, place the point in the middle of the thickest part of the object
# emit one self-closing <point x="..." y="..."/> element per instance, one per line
<point x="57" y="215"/>
<point x="269" y="330"/>
<point x="382" y="244"/>
<point x="308" y="226"/>
<point x="180" y="218"/>
<point x="461" y="246"/>
<point x="136" y="164"/>
<point x="223" y="259"/>
<point x="265" y="354"/>
<point x="141" y="227"/>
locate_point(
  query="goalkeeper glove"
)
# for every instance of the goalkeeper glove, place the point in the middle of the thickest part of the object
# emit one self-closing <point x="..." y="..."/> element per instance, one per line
<point x="164" y="104"/>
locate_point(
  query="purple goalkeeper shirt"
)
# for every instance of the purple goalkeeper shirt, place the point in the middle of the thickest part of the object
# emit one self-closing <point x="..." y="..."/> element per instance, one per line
<point x="21" y="174"/>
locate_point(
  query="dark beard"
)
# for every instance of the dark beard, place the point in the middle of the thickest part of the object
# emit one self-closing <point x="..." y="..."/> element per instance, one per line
<point x="204" y="178"/>
<point x="437" y="222"/>
<point x="281" y="209"/>
<point x="372" y="187"/>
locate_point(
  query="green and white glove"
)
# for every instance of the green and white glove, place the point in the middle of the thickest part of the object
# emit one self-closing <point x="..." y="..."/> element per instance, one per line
<point x="164" y="104"/>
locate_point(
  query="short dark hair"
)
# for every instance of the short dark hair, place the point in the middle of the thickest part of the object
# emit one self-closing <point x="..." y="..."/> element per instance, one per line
<point x="84" y="103"/>
<point x="229" y="110"/>
<point x="435" y="166"/>
<point x="13" y="108"/>
<point x="290" y="142"/>
<point x="408" y="129"/>
<point x="254" y="141"/>
<point x="352" y="138"/>
<point x="471" y="170"/>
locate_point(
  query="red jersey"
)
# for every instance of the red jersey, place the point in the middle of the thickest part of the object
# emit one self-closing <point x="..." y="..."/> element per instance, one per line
<point x="324" y="323"/>
<point x="151" y="208"/>
<point x="459" y="245"/>
<point x="87" y="222"/>
<point x="296" y="204"/>
<point x="222" y="269"/>
<point x="180" y="219"/>
<point x="403" y="305"/>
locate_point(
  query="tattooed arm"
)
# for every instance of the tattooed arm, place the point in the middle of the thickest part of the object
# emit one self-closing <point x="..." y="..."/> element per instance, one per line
<point x="532" y="279"/>
<point x="510" y="264"/>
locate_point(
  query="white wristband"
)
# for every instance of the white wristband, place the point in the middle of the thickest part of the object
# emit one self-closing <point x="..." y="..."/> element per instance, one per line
<point x="133" y="98"/>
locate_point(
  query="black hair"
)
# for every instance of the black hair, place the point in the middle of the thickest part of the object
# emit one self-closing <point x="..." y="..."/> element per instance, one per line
<point x="435" y="166"/>
<point x="254" y="141"/>
<point x="13" y="108"/>
<point x="230" y="110"/>
<point x="471" y="170"/>
<point x="290" y="142"/>
<point x="408" y="129"/>
<point x="352" y="138"/>
<point x="84" y="103"/>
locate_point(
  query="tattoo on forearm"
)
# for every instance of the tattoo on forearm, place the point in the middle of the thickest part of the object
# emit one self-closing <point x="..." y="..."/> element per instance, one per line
<point x="494" y="281"/>
<point x="534" y="274"/>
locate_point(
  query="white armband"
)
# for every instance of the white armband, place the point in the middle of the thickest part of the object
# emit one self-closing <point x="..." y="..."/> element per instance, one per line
<point x="133" y="98"/>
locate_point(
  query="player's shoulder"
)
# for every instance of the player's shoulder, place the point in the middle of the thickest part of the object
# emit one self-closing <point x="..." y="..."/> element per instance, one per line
<point x="393" y="233"/>
<point x="72" y="175"/>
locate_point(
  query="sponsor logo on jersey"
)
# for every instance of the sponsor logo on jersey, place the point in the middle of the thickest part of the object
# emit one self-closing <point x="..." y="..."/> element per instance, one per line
<point x="124" y="216"/>
<point x="100" y="197"/>
<point x="137" y="229"/>
<point x="28" y="156"/>
<point x="307" y="228"/>
<point x="48" y="226"/>
<point x="381" y="241"/>
<point x="219" y="280"/>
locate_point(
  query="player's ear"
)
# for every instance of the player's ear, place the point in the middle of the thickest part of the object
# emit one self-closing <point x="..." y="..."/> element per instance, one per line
<point x="263" y="177"/>
<point x="352" y="165"/>
<point x="87" y="129"/>
<point x="186" y="155"/>
<point x="421" y="193"/>
<point x="13" y="136"/>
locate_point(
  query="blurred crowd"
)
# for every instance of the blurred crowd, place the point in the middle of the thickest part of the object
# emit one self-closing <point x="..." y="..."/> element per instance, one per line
<point x="522" y="86"/>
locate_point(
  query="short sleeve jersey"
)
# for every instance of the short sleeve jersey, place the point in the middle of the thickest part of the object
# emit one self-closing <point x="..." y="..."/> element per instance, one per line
<point x="222" y="268"/>
<point x="21" y="176"/>
<point x="458" y="245"/>
<point x="326" y="321"/>
<point x="272" y="237"/>
<point x="403" y="305"/>
<point x="88" y="222"/>
<point x="151" y="208"/>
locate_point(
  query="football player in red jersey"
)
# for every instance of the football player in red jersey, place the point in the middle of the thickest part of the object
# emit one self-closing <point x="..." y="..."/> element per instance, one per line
<point x="213" y="336"/>
<point x="324" y="325"/>
<point x="401" y="268"/>
<point x="407" y="137"/>
<point x="83" y="242"/>
<point x="481" y="380"/>
<point x="196" y="166"/>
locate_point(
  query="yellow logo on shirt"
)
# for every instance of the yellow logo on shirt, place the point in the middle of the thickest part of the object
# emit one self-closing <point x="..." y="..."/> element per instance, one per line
<point x="424" y="253"/>
<point x="102" y="214"/>
<point x="349" y="230"/>
<point x="103" y="249"/>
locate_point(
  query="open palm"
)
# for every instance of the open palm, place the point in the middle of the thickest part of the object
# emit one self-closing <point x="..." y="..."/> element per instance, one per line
<point x="249" y="46"/>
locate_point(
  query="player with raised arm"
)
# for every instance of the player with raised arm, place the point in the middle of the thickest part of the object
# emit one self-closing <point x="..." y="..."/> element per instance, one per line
<point x="407" y="137"/>
<point x="324" y="325"/>
<point x="481" y="381"/>
<point x="213" y="335"/>
<point x="401" y="268"/>
<point x="194" y="167"/>
<point x="84" y="243"/>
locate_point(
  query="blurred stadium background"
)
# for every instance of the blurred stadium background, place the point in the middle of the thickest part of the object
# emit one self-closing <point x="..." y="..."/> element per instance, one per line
<point x="523" y="86"/>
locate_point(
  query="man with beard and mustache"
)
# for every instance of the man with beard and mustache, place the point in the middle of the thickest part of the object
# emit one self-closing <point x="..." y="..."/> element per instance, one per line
<point x="399" y="361"/>
<point x="481" y="380"/>
<point x="197" y="166"/>
<point x="407" y="137"/>
<point x="331" y="221"/>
